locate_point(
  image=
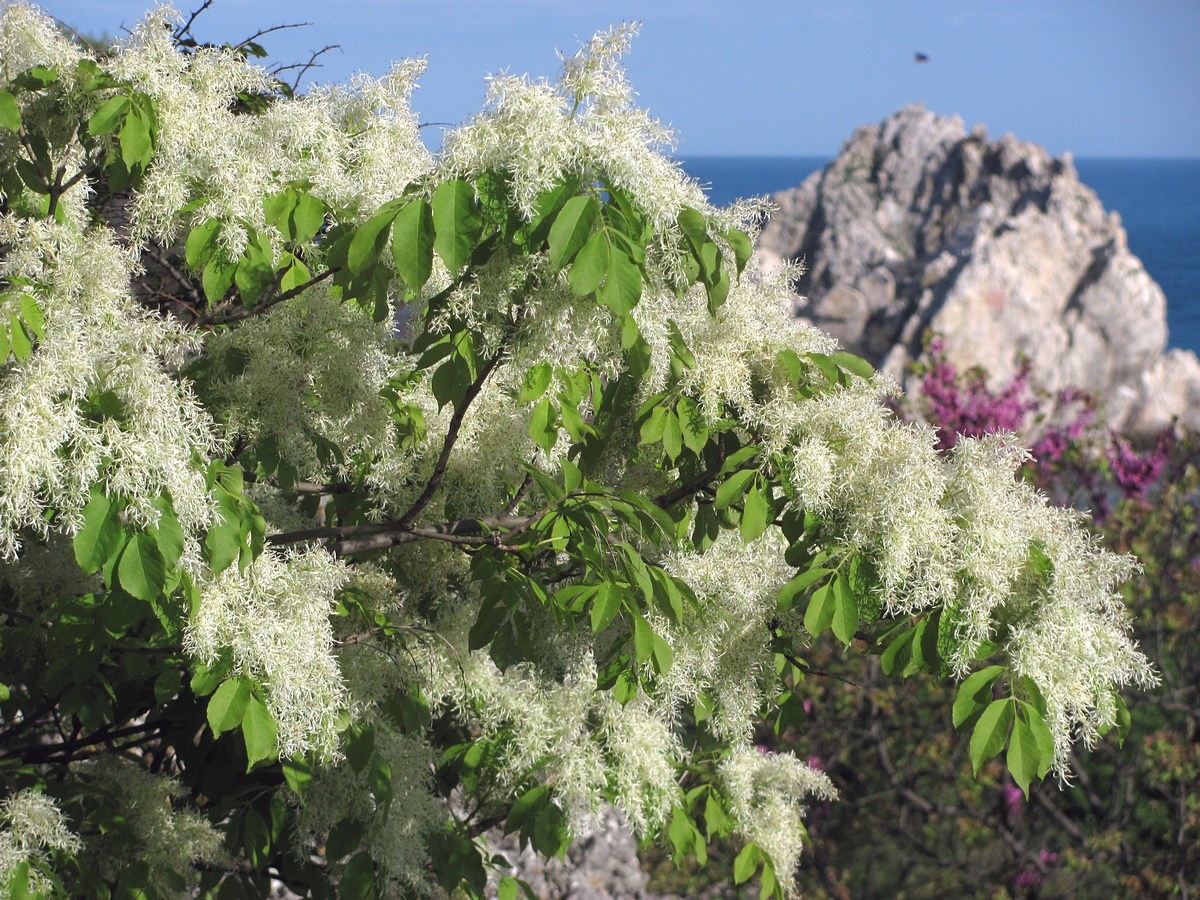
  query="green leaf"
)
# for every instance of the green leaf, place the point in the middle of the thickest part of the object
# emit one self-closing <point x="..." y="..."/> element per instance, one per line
<point x="854" y="364"/>
<point x="259" y="731"/>
<point x="1024" y="757"/>
<point x="733" y="487"/>
<point x="106" y="118"/>
<point x="827" y="367"/>
<point x="31" y="315"/>
<point x="695" y="229"/>
<point x="535" y="382"/>
<point x="358" y="878"/>
<point x="756" y="516"/>
<point x="549" y="835"/>
<point x="605" y="606"/>
<point x="643" y="638"/>
<point x="359" y="743"/>
<point x="227" y="707"/>
<point x="526" y="806"/>
<point x="308" y="217"/>
<point x="746" y="863"/>
<point x="681" y="834"/>
<point x="798" y="585"/>
<point x="298" y="773"/>
<point x="622" y="288"/>
<point x="718" y="291"/>
<point x="742" y="246"/>
<point x="896" y="657"/>
<point x="679" y="346"/>
<point x="201" y="243"/>
<point x="990" y="732"/>
<point x="1041" y="737"/>
<point x="101" y="533"/>
<point x="10" y="114"/>
<point x="572" y="228"/>
<point x="22" y="346"/>
<point x="223" y="543"/>
<point x="845" y="610"/>
<point x="457" y="223"/>
<point x="142" y="571"/>
<point x="819" y="615"/>
<point x="218" y="277"/>
<point x="205" y="679"/>
<point x="17" y="887"/>
<point x="412" y="243"/>
<point x="543" y="425"/>
<point x="691" y="421"/>
<point x="1124" y="721"/>
<point x="135" y="139"/>
<point x="672" y="436"/>
<point x="590" y="266"/>
<point x="370" y="237"/>
<point x="974" y="694"/>
<point x="168" y="534"/>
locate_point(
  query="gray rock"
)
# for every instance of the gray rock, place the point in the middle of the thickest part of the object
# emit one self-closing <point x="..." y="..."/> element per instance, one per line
<point x="995" y="245"/>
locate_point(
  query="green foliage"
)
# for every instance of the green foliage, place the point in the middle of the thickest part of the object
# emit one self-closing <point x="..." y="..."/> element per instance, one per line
<point x="424" y="567"/>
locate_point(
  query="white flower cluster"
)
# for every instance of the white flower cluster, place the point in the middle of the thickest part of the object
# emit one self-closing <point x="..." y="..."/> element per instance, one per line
<point x="169" y="837"/>
<point x="305" y="369"/>
<point x="356" y="147"/>
<point x="768" y="792"/>
<point x="394" y="834"/>
<point x="31" y="825"/>
<point x="96" y="401"/>
<point x="274" y="619"/>
<point x="539" y="132"/>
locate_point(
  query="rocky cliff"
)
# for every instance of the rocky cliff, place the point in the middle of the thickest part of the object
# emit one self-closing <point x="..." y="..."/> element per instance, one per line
<point x="997" y="246"/>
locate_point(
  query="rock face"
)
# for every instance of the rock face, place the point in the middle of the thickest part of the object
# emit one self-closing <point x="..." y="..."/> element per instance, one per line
<point x="996" y="246"/>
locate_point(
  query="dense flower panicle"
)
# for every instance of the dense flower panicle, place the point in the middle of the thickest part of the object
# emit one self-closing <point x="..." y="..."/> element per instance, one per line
<point x="30" y="38"/>
<point x="31" y="825"/>
<point x="54" y="441"/>
<point x="768" y="792"/>
<point x="585" y="125"/>
<point x="721" y="649"/>
<point x="170" y="836"/>
<point x="308" y="367"/>
<point x="358" y="147"/>
<point x="395" y="835"/>
<point x="274" y="618"/>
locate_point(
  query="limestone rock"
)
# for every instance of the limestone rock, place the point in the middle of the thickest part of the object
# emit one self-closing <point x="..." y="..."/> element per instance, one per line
<point x="995" y="245"/>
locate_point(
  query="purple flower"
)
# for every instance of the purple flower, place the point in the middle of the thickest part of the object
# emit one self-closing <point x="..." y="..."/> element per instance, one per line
<point x="1028" y="879"/>
<point x="1014" y="798"/>
<point x="965" y="407"/>
<point x="1136" y="472"/>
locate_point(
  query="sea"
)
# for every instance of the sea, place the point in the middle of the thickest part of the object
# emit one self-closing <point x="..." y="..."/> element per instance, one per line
<point x="1158" y="199"/>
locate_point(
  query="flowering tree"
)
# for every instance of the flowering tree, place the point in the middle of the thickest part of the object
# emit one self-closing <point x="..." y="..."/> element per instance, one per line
<point x="356" y="501"/>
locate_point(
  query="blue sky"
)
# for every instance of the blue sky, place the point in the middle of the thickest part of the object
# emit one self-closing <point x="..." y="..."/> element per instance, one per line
<point x="777" y="77"/>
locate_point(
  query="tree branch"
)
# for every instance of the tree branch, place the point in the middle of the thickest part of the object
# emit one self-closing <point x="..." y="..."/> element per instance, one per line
<point x="460" y="413"/>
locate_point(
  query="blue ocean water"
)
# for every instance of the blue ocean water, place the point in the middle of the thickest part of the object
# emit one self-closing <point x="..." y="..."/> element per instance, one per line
<point x="1158" y="199"/>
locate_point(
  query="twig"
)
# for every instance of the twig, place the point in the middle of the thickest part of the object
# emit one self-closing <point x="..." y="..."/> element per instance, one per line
<point x="242" y="312"/>
<point x="186" y="27"/>
<point x="456" y="421"/>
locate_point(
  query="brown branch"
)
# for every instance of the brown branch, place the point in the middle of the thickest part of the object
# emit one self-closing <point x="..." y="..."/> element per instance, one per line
<point x="241" y="312"/>
<point x="670" y="498"/>
<point x="45" y="752"/>
<point x="186" y="27"/>
<point x="456" y="421"/>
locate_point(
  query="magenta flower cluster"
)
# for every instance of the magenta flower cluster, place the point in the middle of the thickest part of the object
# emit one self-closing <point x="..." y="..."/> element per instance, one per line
<point x="1136" y="472"/>
<point x="965" y="407"/>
